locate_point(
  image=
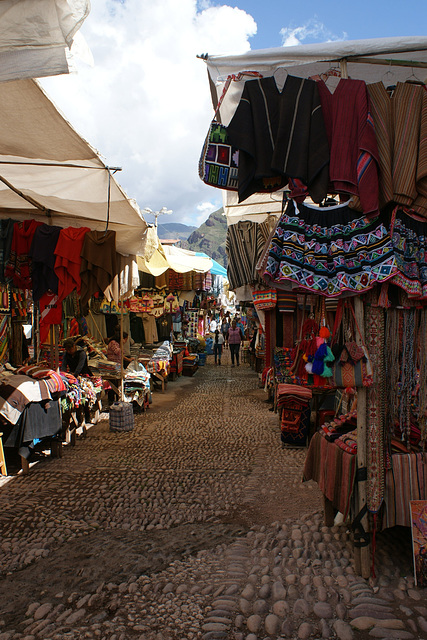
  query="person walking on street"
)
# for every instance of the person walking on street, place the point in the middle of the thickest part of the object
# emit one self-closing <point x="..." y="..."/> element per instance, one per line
<point x="217" y="346"/>
<point x="225" y="327"/>
<point x="235" y="337"/>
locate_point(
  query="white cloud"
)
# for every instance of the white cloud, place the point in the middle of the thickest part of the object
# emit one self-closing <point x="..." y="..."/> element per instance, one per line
<point x="313" y="31"/>
<point x="145" y="104"/>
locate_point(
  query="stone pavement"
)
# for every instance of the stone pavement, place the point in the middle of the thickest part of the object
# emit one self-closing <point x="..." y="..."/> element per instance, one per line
<point x="195" y="525"/>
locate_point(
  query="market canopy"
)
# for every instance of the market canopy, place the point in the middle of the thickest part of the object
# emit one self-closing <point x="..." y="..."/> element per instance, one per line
<point x="180" y="260"/>
<point x="50" y="173"/>
<point x="217" y="269"/>
<point x="373" y="60"/>
<point x="36" y="37"/>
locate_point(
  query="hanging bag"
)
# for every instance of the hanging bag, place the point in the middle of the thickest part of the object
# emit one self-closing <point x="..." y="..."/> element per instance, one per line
<point x="265" y="299"/>
<point x="352" y="367"/>
<point x="219" y="160"/>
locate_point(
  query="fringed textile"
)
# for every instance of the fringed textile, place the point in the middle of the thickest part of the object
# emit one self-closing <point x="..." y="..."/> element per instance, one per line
<point x="374" y="338"/>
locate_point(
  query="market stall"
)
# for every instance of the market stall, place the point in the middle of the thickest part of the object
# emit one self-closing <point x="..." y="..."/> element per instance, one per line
<point x="68" y="238"/>
<point x="342" y="216"/>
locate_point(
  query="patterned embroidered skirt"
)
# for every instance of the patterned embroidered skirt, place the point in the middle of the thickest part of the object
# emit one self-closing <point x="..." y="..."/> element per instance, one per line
<point x="329" y="251"/>
<point x="409" y="238"/>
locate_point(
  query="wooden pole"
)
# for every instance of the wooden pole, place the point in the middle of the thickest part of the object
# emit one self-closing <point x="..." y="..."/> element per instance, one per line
<point x="362" y="555"/>
<point x="56" y="353"/>
<point x="96" y="326"/>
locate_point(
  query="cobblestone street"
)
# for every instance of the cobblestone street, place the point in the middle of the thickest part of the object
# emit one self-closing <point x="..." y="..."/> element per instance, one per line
<point x="195" y="525"/>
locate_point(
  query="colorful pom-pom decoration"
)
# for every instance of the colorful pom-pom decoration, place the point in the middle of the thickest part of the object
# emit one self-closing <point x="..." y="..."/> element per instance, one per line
<point x="324" y="333"/>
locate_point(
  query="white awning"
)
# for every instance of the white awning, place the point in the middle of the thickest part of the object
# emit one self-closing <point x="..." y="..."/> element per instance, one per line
<point x="180" y="260"/>
<point x="48" y="171"/>
<point x="36" y="36"/>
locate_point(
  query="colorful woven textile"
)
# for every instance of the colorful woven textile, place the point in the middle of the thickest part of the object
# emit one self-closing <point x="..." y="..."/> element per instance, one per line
<point x="16" y="391"/>
<point x="286" y="301"/>
<point x="295" y="421"/>
<point x="409" y="239"/>
<point x="329" y="251"/>
<point x="405" y="481"/>
<point x="374" y="337"/>
<point x="333" y="469"/>
<point x="53" y="379"/>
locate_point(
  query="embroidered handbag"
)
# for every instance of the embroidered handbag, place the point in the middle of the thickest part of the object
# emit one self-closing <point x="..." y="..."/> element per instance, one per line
<point x="219" y="160"/>
<point x="352" y="367"/>
<point x="265" y="299"/>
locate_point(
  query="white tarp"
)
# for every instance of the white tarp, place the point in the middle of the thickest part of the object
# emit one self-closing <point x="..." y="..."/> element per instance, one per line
<point x="180" y="260"/>
<point x="36" y="36"/>
<point x="306" y="61"/>
<point x="57" y="171"/>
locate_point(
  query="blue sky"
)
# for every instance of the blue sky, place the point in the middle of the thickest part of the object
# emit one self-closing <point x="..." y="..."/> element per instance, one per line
<point x="323" y="20"/>
<point x="141" y="96"/>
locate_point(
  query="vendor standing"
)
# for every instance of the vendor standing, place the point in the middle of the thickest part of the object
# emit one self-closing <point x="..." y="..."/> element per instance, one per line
<point x="75" y="359"/>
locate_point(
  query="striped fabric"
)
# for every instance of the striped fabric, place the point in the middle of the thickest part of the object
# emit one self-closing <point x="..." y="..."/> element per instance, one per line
<point x="333" y="469"/>
<point x="53" y="379"/>
<point x="401" y="130"/>
<point x="381" y="113"/>
<point x="405" y="481"/>
<point x="286" y="301"/>
<point x="16" y="391"/>
<point x="244" y="244"/>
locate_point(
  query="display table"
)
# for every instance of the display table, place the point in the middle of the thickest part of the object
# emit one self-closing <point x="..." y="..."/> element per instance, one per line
<point x="334" y="470"/>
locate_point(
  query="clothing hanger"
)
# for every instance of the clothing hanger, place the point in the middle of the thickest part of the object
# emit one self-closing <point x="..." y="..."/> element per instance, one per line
<point x="414" y="80"/>
<point x="386" y="79"/>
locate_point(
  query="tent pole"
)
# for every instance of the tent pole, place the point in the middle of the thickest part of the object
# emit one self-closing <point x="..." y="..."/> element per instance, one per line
<point x="362" y="554"/>
<point x="343" y="68"/>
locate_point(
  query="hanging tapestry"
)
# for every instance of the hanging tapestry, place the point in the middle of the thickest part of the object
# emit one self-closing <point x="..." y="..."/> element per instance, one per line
<point x="374" y="337"/>
<point x="409" y="239"/>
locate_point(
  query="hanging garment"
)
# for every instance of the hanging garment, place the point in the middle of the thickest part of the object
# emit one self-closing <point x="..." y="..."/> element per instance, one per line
<point x="162" y="280"/>
<point x="164" y="327"/>
<point x="401" y="128"/>
<point x="42" y="253"/>
<point x="68" y="260"/>
<point x="18" y="268"/>
<point x="50" y="313"/>
<point x="98" y="265"/>
<point x="136" y="328"/>
<point x="329" y="251"/>
<point x="244" y="244"/>
<point x="150" y="328"/>
<point x="175" y="280"/>
<point x="280" y="134"/>
<point x="146" y="280"/>
<point x="187" y="281"/>
<point x="171" y="304"/>
<point x="128" y="275"/>
<point x="6" y="235"/>
<point x="409" y="240"/>
<point x="353" y="165"/>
